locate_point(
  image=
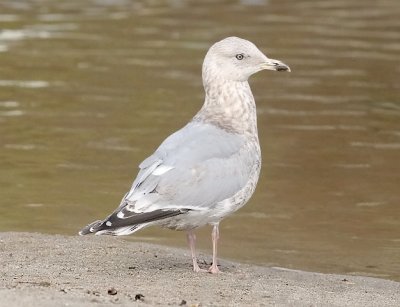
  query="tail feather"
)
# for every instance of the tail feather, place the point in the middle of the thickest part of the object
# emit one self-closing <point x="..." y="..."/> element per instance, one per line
<point x="121" y="231"/>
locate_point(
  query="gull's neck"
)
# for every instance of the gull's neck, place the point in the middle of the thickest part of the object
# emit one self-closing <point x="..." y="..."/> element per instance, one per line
<point x="229" y="105"/>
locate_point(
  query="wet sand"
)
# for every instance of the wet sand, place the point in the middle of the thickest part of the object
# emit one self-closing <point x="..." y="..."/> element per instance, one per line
<point x="48" y="270"/>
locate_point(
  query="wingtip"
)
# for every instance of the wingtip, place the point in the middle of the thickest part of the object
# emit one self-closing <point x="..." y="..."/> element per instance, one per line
<point x="91" y="228"/>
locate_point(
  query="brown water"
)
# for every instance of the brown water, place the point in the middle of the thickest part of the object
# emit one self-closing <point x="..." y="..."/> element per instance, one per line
<point x="88" y="89"/>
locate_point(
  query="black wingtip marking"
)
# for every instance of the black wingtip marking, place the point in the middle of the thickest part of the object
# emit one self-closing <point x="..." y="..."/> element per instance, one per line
<point x="114" y="222"/>
<point x="91" y="228"/>
<point x="140" y="218"/>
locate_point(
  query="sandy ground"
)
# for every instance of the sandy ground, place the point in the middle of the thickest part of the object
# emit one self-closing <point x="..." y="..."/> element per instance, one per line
<point x="44" y="270"/>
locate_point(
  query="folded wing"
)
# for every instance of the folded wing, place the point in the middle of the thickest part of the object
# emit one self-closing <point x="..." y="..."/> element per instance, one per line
<point x="194" y="169"/>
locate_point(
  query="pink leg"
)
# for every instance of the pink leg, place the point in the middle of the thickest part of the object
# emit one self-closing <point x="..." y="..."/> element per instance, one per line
<point x="191" y="238"/>
<point x="215" y="236"/>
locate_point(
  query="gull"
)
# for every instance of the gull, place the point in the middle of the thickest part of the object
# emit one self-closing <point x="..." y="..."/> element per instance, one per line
<point x="209" y="168"/>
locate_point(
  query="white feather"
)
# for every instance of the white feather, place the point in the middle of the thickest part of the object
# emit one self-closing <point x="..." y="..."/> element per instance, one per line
<point x="162" y="169"/>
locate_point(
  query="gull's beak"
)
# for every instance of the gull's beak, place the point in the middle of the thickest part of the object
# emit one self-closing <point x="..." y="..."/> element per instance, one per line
<point x="271" y="64"/>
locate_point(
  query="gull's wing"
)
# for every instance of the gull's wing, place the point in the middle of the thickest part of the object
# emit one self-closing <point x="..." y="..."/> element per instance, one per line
<point x="193" y="169"/>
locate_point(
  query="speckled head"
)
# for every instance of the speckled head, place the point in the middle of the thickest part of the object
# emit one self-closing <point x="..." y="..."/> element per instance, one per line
<point x="236" y="59"/>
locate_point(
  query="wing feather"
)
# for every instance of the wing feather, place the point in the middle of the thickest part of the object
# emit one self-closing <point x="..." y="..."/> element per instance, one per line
<point x="194" y="169"/>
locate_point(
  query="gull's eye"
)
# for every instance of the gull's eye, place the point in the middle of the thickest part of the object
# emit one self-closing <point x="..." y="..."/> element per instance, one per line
<point x="240" y="56"/>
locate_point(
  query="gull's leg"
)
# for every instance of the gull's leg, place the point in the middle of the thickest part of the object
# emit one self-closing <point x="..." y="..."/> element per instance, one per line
<point x="191" y="238"/>
<point x="215" y="236"/>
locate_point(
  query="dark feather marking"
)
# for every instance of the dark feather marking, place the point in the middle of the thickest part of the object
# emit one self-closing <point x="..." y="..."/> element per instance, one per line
<point x="140" y="218"/>
<point x="93" y="225"/>
<point x="134" y="220"/>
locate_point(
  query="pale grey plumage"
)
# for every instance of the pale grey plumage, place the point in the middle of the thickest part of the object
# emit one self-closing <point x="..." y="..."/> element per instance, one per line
<point x="210" y="167"/>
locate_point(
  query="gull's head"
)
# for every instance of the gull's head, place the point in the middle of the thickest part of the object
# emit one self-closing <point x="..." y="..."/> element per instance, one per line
<point x="237" y="59"/>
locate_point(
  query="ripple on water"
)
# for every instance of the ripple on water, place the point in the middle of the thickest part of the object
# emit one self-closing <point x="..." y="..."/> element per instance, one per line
<point x="55" y="27"/>
<point x="283" y="165"/>
<point x="16" y="35"/>
<point x="367" y="84"/>
<point x="304" y="82"/>
<point x="12" y="113"/>
<point x="353" y="44"/>
<point x="322" y="127"/>
<point x="9" y="17"/>
<point x="390" y="105"/>
<point x="376" y="145"/>
<point x="279" y="18"/>
<point x="55" y="17"/>
<point x="118" y="15"/>
<point x="111" y="144"/>
<point x="394" y="132"/>
<point x="385" y="112"/>
<point x="253" y="2"/>
<point x="9" y="104"/>
<point x="328" y="99"/>
<point x="34" y="205"/>
<point x="344" y="32"/>
<point x="23" y="146"/>
<point x="353" y="165"/>
<point x="370" y="204"/>
<point x="334" y="72"/>
<point x="262" y="215"/>
<point x="76" y="166"/>
<point x="324" y="52"/>
<point x="286" y="112"/>
<point x="309" y="63"/>
<point x="146" y="63"/>
<point x="145" y="30"/>
<point x="26" y="84"/>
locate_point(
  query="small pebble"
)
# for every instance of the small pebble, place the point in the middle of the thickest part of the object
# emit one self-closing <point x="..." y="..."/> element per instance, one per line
<point x="44" y="284"/>
<point x="139" y="297"/>
<point x="112" y="291"/>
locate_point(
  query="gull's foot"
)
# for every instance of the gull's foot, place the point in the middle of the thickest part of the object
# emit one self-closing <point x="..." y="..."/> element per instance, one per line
<point x="197" y="269"/>
<point x="214" y="270"/>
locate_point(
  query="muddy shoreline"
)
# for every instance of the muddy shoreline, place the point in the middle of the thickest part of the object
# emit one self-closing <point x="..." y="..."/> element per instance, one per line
<point x="53" y="270"/>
